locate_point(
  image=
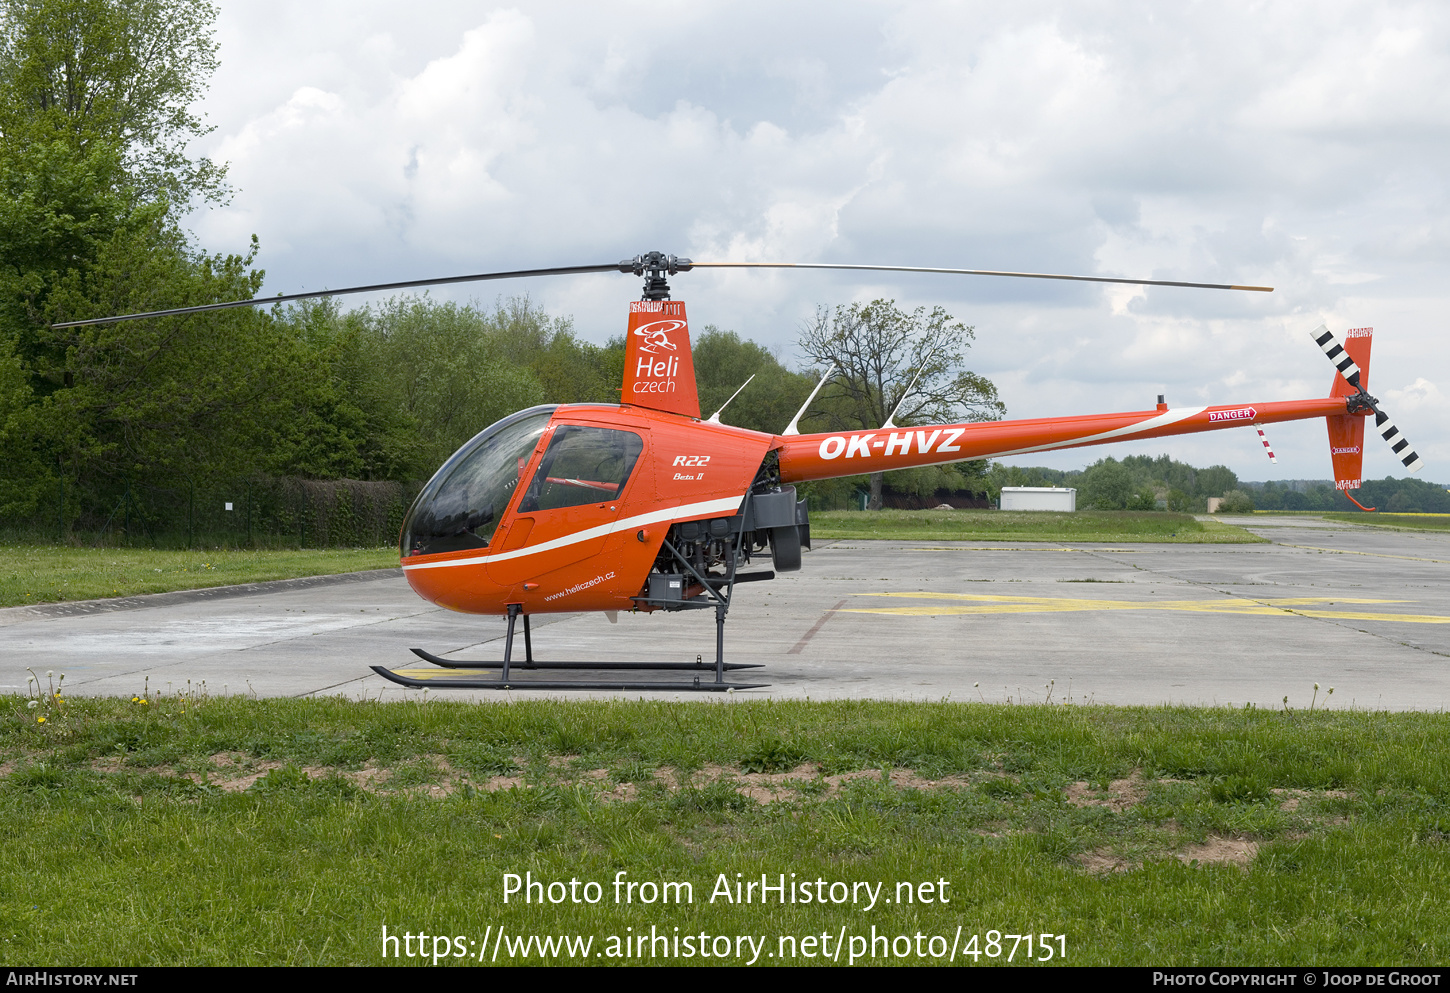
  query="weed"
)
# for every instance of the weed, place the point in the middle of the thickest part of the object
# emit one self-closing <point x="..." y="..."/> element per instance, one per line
<point x="772" y="755"/>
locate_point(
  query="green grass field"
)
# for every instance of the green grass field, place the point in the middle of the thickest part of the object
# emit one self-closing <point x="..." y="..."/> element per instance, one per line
<point x="997" y="525"/>
<point x="195" y="831"/>
<point x="52" y="573"/>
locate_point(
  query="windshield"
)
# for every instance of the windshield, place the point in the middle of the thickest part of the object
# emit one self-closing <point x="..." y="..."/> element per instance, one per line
<point x="462" y="503"/>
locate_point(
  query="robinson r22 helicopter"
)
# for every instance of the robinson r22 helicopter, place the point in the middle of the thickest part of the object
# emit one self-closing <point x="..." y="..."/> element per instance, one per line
<point x="644" y="505"/>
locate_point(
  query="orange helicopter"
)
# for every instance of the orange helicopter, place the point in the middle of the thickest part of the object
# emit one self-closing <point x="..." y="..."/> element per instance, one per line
<point x="645" y="506"/>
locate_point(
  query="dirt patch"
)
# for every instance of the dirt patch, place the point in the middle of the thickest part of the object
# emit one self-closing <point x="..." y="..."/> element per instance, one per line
<point x="370" y="777"/>
<point x="1102" y="862"/>
<point x="1119" y="796"/>
<point x="622" y="792"/>
<point x="907" y="780"/>
<point x="772" y="787"/>
<point x="1290" y="799"/>
<point x="239" y="781"/>
<point x="1231" y="851"/>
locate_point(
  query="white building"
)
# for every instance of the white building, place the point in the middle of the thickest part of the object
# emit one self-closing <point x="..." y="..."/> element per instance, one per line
<point x="1038" y="498"/>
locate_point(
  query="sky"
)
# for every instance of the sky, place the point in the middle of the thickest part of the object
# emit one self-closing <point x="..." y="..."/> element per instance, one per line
<point x="1302" y="146"/>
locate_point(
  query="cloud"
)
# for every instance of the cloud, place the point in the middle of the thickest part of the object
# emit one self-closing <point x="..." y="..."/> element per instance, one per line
<point x="1301" y="146"/>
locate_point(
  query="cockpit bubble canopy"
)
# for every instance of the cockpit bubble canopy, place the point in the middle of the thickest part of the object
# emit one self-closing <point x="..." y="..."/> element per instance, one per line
<point x="461" y="505"/>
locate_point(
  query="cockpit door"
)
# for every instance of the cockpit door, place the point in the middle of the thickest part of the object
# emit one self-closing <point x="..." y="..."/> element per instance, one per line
<point x="575" y="494"/>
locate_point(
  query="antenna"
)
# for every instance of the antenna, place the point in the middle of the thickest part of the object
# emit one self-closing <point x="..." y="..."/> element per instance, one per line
<point x="794" y="426"/>
<point x="1264" y="438"/>
<point x="715" y="417"/>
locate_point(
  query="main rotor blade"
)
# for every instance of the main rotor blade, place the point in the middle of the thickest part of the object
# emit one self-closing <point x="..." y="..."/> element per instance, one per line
<point x="684" y="266"/>
<point x="976" y="272"/>
<point x="407" y="284"/>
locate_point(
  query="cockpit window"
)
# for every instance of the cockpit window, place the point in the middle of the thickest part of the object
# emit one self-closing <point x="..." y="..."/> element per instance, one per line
<point x="461" y="505"/>
<point x="582" y="465"/>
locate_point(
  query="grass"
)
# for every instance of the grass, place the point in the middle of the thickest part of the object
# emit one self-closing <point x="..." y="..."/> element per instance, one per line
<point x="53" y="573"/>
<point x="1418" y="522"/>
<point x="997" y="525"/>
<point x="221" y="832"/>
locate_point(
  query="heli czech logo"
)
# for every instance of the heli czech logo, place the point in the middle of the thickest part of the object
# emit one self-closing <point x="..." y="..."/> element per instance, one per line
<point x="1242" y="414"/>
<point x="657" y="362"/>
<point x="656" y="336"/>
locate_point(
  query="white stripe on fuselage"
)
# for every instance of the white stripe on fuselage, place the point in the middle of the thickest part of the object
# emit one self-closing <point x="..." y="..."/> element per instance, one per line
<point x="1161" y="421"/>
<point x="726" y="505"/>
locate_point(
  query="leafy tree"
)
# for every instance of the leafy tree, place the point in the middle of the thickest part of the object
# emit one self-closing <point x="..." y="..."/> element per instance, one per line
<point x="1107" y="485"/>
<point x="724" y="361"/>
<point x="1216" y="480"/>
<point x="450" y="372"/>
<point x="1237" y="502"/>
<point x="199" y="394"/>
<point x="118" y="73"/>
<point x="889" y="360"/>
<point x="94" y="119"/>
<point x="567" y="369"/>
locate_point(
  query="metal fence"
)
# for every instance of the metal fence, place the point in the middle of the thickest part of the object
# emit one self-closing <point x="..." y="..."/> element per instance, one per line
<point x="255" y="512"/>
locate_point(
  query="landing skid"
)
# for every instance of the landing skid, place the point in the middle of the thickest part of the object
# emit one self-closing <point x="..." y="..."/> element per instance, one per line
<point x="497" y="683"/>
<point x="480" y="677"/>
<point x="427" y="656"/>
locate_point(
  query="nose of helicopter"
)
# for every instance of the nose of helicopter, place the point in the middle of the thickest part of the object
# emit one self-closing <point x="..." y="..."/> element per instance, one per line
<point x="459" y="510"/>
<point x="461" y="584"/>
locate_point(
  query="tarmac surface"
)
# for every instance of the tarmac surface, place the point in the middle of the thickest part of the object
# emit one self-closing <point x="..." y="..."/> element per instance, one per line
<point x="1363" y="610"/>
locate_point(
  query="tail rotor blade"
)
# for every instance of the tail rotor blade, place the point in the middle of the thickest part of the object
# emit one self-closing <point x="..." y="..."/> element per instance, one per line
<point x="1398" y="443"/>
<point x="1325" y="339"/>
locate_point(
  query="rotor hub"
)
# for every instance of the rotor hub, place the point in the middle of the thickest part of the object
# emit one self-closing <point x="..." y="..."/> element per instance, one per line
<point x="654" y="266"/>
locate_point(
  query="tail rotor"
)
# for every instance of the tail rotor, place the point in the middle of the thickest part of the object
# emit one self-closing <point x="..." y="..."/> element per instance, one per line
<point x="1352" y="383"/>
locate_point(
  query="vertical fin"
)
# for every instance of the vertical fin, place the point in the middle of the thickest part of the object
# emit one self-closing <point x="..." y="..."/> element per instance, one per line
<point x="659" y="370"/>
<point x="1346" y="431"/>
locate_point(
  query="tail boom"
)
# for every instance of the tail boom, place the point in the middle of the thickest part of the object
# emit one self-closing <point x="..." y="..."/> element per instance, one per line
<point x="850" y="453"/>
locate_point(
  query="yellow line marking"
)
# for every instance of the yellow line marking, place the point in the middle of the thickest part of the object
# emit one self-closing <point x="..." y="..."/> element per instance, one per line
<point x="1378" y="555"/>
<point x="1272" y="607"/>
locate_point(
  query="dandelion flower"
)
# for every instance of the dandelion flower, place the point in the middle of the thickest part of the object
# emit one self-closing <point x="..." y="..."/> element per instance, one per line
<point x="32" y="704"/>
<point x="40" y="720"/>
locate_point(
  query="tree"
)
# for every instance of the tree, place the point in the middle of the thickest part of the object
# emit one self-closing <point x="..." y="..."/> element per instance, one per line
<point x="723" y="363"/>
<point x="94" y="121"/>
<point x="121" y="73"/>
<point x="1107" y="485"/>
<point x="890" y="361"/>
